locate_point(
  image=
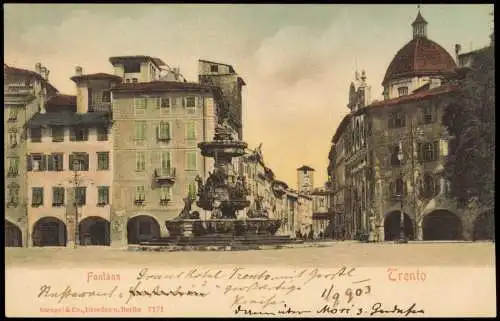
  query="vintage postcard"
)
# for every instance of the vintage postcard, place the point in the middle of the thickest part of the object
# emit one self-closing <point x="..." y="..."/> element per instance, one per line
<point x="243" y="160"/>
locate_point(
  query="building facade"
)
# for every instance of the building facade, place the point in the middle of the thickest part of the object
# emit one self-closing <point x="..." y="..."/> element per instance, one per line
<point x="70" y="166"/>
<point x="388" y="156"/>
<point x="157" y="127"/>
<point x="25" y="93"/>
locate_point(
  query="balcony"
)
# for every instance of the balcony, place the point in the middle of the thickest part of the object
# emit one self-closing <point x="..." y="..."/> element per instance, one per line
<point x="19" y="89"/>
<point x="164" y="175"/>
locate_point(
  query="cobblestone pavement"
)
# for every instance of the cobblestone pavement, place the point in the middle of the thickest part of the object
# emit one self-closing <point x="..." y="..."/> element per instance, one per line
<point x="328" y="254"/>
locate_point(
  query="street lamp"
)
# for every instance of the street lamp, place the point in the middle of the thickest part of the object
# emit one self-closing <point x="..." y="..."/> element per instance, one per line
<point x="402" y="237"/>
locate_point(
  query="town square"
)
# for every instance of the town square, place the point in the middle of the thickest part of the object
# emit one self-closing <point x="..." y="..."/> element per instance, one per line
<point x="301" y="138"/>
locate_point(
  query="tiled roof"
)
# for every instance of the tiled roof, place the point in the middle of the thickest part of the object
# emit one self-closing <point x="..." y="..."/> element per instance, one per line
<point x="419" y="57"/>
<point x="27" y="73"/>
<point x="99" y="75"/>
<point x="61" y="101"/>
<point x="67" y="118"/>
<point x="155" y="86"/>
<point x="305" y="168"/>
<point x="421" y="95"/>
<point x="157" y="61"/>
<point x="416" y="96"/>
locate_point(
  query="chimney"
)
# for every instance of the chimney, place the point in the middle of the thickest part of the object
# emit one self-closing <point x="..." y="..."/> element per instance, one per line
<point x="38" y="68"/>
<point x="78" y="71"/>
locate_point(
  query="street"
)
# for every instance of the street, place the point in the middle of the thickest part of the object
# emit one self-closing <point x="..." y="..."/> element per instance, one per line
<point x="329" y="254"/>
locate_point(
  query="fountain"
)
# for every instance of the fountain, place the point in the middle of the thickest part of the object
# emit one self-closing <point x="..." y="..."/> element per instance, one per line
<point x="224" y="193"/>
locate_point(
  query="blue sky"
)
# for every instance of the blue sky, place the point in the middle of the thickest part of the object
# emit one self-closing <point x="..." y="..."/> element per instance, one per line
<point x="297" y="60"/>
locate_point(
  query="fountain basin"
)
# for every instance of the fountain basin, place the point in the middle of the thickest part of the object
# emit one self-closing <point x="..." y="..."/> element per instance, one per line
<point x="226" y="148"/>
<point x="196" y="227"/>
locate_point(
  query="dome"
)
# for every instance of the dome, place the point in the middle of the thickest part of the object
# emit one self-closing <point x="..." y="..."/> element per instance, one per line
<point x="419" y="57"/>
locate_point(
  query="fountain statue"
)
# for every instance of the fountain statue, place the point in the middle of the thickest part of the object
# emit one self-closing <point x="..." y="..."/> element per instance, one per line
<point x="224" y="193"/>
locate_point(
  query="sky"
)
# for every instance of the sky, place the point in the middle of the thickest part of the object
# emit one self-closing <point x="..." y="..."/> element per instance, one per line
<point x="297" y="60"/>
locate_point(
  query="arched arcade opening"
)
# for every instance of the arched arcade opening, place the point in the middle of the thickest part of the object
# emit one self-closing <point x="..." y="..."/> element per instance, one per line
<point x="49" y="231"/>
<point x="94" y="231"/>
<point x="442" y="225"/>
<point x="142" y="228"/>
<point x="13" y="235"/>
<point x="392" y="226"/>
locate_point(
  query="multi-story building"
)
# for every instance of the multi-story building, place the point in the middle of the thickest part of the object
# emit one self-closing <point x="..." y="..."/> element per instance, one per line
<point x="25" y="93"/>
<point x="70" y="166"/>
<point x="157" y="127"/>
<point x="388" y="156"/>
<point x="323" y="217"/>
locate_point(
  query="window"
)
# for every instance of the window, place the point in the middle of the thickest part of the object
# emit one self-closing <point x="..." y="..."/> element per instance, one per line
<point x="102" y="134"/>
<point x="102" y="195"/>
<point x="394" y="155"/>
<point x="397" y="120"/>
<point x="163" y="133"/>
<point x="140" y="195"/>
<point x="140" y="130"/>
<point x="140" y="103"/>
<point x="165" y="193"/>
<point x="103" y="161"/>
<point x="140" y="162"/>
<point x="190" y="104"/>
<point x="58" y="134"/>
<point x="13" y="194"/>
<point x="12" y="114"/>
<point x="431" y="186"/>
<point x="79" y="134"/>
<point x="191" y="130"/>
<point x="90" y="98"/>
<point x="57" y="196"/>
<point x="55" y="162"/>
<point x="80" y="195"/>
<point x="165" y="103"/>
<point x="427" y="116"/>
<point x="192" y="191"/>
<point x="428" y="152"/>
<point x="127" y="80"/>
<point x="36" y="196"/>
<point x="214" y="68"/>
<point x="191" y="160"/>
<point x="132" y="67"/>
<point x="13" y="166"/>
<point x="166" y="161"/>
<point x="402" y="91"/>
<point x="134" y="80"/>
<point x="36" y="162"/>
<point x="398" y="187"/>
<point x="79" y="162"/>
<point x="12" y="139"/>
<point x="36" y="135"/>
<point x="106" y="96"/>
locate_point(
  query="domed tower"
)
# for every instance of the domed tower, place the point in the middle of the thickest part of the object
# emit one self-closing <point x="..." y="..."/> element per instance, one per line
<point x="420" y="62"/>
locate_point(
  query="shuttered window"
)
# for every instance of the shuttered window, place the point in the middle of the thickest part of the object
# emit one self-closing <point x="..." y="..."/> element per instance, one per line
<point x="36" y="196"/>
<point x="57" y="196"/>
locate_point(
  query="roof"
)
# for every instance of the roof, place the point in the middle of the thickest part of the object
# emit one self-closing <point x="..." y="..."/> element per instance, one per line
<point x="419" y="57"/>
<point x="27" y="73"/>
<point x="68" y="118"/>
<point x="99" y="75"/>
<point x="419" y="19"/>
<point x="157" y="61"/>
<point x="305" y="168"/>
<point x="231" y="69"/>
<point x="420" y="95"/>
<point x="61" y="101"/>
<point x="155" y="86"/>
